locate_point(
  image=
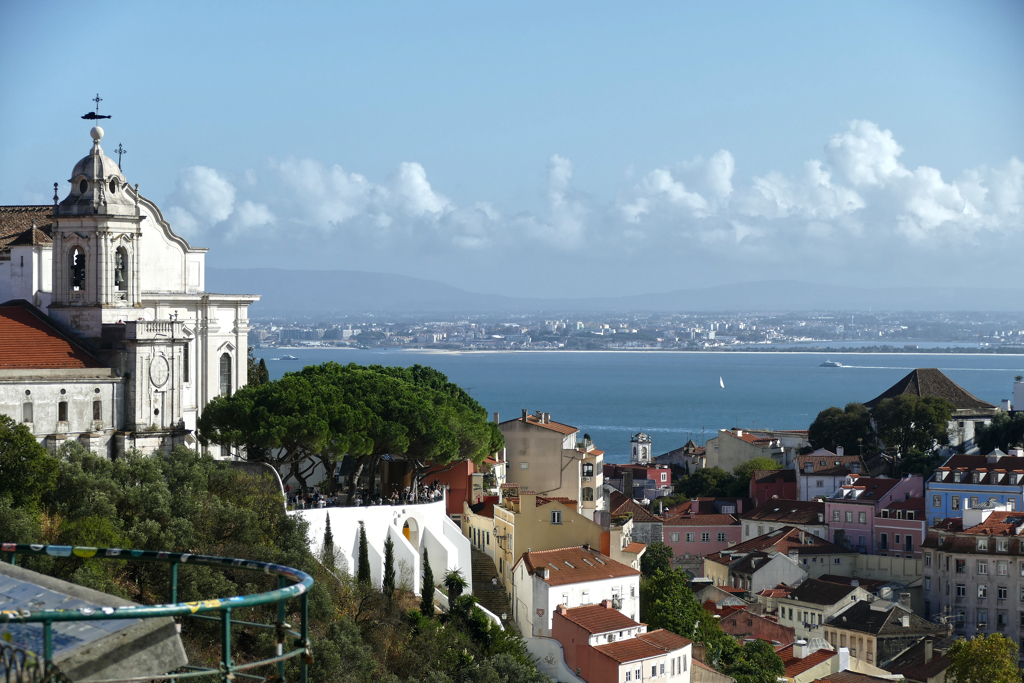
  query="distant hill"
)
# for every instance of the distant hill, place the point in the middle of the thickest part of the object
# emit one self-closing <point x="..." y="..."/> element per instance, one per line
<point x="315" y="292"/>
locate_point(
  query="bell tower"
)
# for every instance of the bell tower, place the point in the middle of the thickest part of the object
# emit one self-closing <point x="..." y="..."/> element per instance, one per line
<point x="640" y="449"/>
<point x="95" y="246"/>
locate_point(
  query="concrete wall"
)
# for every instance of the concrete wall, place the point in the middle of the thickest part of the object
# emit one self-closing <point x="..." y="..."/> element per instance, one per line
<point x="430" y="528"/>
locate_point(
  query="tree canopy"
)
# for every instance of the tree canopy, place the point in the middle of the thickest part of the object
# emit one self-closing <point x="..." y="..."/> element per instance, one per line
<point x="756" y="662"/>
<point x="849" y="427"/>
<point x="983" y="659"/>
<point x="325" y="412"/>
<point x="1003" y="432"/>
<point x="743" y="472"/>
<point x="657" y="557"/>
<point x="908" y="423"/>
<point x="26" y="469"/>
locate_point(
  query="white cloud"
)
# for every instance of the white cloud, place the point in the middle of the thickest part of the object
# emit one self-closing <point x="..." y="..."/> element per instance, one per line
<point x="865" y="154"/>
<point x="411" y="186"/>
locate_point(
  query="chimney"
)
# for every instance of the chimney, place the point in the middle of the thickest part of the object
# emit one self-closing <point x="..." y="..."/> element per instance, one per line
<point x="586" y="546"/>
<point x="794" y="555"/>
<point x="844" y="659"/>
<point x="855" y="583"/>
<point x="607" y="604"/>
<point x="800" y="649"/>
<point x="904" y="601"/>
<point x="839" y="450"/>
<point x="495" y="417"/>
<point x="928" y="650"/>
<point x="547" y="418"/>
<point x="561" y="610"/>
<point x="524" y="414"/>
<point x="739" y="432"/>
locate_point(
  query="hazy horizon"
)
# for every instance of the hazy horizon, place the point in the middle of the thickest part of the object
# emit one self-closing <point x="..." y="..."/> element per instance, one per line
<point x="566" y="151"/>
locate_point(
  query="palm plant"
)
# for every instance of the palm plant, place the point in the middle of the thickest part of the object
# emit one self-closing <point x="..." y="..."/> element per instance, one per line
<point x="454" y="583"/>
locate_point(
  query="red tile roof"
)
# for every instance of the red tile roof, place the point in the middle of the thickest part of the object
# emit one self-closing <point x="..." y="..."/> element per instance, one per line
<point x="702" y="520"/>
<point x="629" y="650"/>
<point x="666" y="640"/>
<point x="598" y="618"/>
<point x="31" y="342"/>
<point x="795" y="667"/>
<point x="574" y="565"/>
<point x="535" y="421"/>
<point x="16" y="225"/>
<point x="783" y="540"/>
<point x="787" y="511"/>
<point x="634" y="548"/>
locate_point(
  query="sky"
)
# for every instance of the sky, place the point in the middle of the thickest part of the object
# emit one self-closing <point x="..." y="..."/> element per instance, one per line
<point x="545" y="149"/>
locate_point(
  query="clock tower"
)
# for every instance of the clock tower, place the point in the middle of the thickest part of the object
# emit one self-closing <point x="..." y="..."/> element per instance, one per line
<point x="640" y="449"/>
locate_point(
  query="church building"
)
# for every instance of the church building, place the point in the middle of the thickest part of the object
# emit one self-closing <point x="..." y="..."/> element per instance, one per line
<point x="107" y="332"/>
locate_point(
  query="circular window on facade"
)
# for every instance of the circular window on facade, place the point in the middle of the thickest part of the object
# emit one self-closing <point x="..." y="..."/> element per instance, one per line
<point x="83" y="186"/>
<point x="113" y="186"/>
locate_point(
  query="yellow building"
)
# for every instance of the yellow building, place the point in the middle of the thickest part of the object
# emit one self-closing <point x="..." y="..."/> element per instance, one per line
<point x="525" y="521"/>
<point x="552" y="459"/>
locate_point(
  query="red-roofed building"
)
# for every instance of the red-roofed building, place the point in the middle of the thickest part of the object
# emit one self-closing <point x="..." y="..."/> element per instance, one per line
<point x="735" y="446"/>
<point x="745" y="625"/>
<point x="694" y="535"/>
<point x="604" y="647"/>
<point x="766" y="485"/>
<point x="852" y="508"/>
<point x="552" y="459"/>
<point x="575" y="576"/>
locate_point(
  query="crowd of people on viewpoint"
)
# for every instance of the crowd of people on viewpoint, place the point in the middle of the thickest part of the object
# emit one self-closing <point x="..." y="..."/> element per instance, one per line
<point x="316" y="498"/>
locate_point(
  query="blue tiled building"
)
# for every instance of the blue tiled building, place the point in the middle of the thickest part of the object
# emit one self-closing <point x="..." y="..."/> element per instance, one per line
<point x="964" y="481"/>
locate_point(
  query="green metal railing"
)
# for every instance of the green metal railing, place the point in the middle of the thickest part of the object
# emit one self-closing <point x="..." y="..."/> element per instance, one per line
<point x="227" y="668"/>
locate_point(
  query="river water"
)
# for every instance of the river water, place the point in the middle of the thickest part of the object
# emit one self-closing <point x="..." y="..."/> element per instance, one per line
<point x="673" y="396"/>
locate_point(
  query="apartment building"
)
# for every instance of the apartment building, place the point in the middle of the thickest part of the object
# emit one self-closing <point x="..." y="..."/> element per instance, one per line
<point x="814" y="602"/>
<point x="852" y="508"/>
<point x="974" y="572"/>
<point x="966" y="481"/>
<point x="820" y="473"/>
<point x="900" y="528"/>
<point x="808" y="516"/>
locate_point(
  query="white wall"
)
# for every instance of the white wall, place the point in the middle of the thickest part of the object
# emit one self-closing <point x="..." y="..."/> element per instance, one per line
<point x="434" y="530"/>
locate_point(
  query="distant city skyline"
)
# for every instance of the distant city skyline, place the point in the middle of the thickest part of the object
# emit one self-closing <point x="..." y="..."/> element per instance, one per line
<point x="552" y="151"/>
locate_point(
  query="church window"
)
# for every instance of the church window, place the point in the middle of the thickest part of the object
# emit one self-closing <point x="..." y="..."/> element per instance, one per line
<point x="76" y="263"/>
<point x="97" y="409"/>
<point x="588" y="493"/>
<point x="26" y="412"/>
<point x="83" y="186"/>
<point x="184" y="363"/>
<point x="225" y="374"/>
<point x="62" y="411"/>
<point x="113" y="185"/>
<point x="121" y="269"/>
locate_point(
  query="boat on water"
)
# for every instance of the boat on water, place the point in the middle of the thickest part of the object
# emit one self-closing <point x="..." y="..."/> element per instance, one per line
<point x="289" y="357"/>
<point x="831" y="364"/>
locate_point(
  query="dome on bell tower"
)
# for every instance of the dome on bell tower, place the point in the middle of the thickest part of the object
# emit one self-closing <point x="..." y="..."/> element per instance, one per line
<point x="97" y="185"/>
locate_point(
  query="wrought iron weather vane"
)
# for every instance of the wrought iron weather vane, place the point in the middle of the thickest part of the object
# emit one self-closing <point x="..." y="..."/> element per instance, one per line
<point x="93" y="115"/>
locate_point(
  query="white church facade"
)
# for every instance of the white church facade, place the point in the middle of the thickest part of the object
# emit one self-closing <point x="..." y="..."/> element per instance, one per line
<point x="107" y="335"/>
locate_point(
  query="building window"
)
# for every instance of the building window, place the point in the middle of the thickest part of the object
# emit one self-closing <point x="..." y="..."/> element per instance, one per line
<point x="664" y="476"/>
<point x="638" y="674"/>
<point x="927" y="559"/>
<point x="883" y="541"/>
<point x="556" y="516"/>
<point x="62" y="411"/>
<point x="983" y="566"/>
<point x="957" y="477"/>
<point x="121" y="269"/>
<point x="862" y="517"/>
<point x="821" y="483"/>
<point x="1001" y="593"/>
<point x="982" y="618"/>
<point x="835" y="515"/>
<point x="982" y="590"/>
<point x="674" y="537"/>
<point x="974" y="501"/>
<point x="849" y="516"/>
<point x="961" y="566"/>
<point x="705" y="537"/>
<point x="185" y="369"/>
<point x="588" y="493"/>
<point x="97" y="410"/>
<point x="629" y="675"/>
<point x="76" y="267"/>
<point x="936" y="501"/>
<point x="982" y="544"/>
<point x="721" y="537"/>
<point x="1002" y="545"/>
<point x="974" y="477"/>
<point x="26" y="412"/>
<point x="961" y="590"/>
<point x="654" y="670"/>
<point x="954" y="502"/>
<point x="588" y="469"/>
<point x="1001" y="568"/>
<point x="927" y="583"/>
<point x="225" y="374"/>
<point x="690" y="535"/>
<point x="835" y="560"/>
<point x="524" y="465"/>
<point x="908" y="543"/>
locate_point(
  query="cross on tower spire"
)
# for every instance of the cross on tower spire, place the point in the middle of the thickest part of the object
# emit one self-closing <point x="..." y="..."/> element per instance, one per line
<point x="120" y="150"/>
<point x="93" y="115"/>
<point x="97" y="100"/>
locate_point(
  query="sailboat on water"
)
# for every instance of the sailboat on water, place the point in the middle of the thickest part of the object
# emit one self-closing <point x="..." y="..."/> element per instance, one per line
<point x="722" y="382"/>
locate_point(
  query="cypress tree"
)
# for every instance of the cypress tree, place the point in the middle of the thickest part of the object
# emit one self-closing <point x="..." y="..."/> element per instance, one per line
<point x="388" y="585"/>
<point x="328" y="553"/>
<point x="427" y="589"/>
<point x="363" y="575"/>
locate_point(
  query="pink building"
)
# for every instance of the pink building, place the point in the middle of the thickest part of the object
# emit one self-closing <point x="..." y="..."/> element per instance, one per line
<point x="852" y="509"/>
<point x="900" y="528"/>
<point x="605" y="646"/>
<point x="696" y="534"/>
